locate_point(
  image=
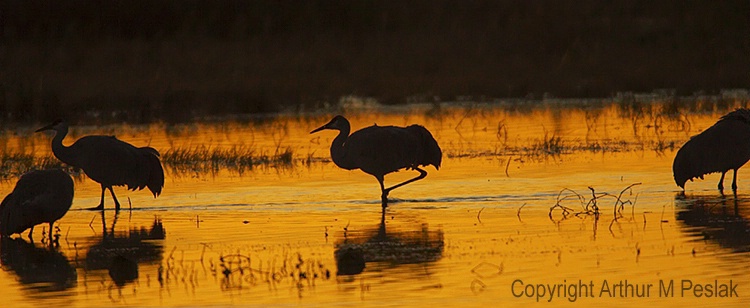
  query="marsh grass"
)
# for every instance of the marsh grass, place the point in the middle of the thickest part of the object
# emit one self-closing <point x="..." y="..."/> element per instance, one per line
<point x="552" y="145"/>
<point x="14" y="164"/>
<point x="659" y="122"/>
<point x="236" y="158"/>
<point x="239" y="271"/>
<point x="523" y="130"/>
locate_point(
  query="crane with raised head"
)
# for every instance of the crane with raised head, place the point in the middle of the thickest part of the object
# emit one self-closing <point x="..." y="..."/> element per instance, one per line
<point x="380" y="150"/>
<point x="109" y="161"/>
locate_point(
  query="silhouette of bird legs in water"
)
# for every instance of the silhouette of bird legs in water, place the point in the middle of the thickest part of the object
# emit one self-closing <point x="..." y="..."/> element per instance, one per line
<point x="101" y="203"/>
<point x="734" y="182"/>
<point x="386" y="191"/>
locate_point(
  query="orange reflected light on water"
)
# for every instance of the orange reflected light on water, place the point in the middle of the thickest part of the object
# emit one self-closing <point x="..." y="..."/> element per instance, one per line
<point x="275" y="233"/>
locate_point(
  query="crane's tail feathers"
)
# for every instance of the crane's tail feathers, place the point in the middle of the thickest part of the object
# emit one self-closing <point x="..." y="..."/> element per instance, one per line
<point x="150" y="172"/>
<point x="156" y="176"/>
<point x="151" y="150"/>
<point x="741" y="114"/>
<point x="431" y="152"/>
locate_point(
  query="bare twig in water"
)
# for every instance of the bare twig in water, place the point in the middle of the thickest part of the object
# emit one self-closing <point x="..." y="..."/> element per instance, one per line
<point x="566" y="211"/>
<point x="507" y="165"/>
<point x="203" y="251"/>
<point x="590" y="207"/>
<point x="663" y="208"/>
<point x="637" y="252"/>
<point x="91" y="223"/>
<point x="480" y="213"/>
<point x="619" y="204"/>
<point x="518" y="214"/>
<point x="644" y="219"/>
<point x="610" y="227"/>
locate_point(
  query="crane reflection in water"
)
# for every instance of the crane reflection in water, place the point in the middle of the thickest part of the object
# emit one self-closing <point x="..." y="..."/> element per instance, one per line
<point x="120" y="253"/>
<point x="39" y="269"/>
<point x="716" y="219"/>
<point x="388" y="249"/>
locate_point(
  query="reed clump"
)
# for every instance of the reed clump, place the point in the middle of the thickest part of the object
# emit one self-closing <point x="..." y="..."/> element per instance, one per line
<point x="14" y="164"/>
<point x="239" y="158"/>
<point x="238" y="271"/>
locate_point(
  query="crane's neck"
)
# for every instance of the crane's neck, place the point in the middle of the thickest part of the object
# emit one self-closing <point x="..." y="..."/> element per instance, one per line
<point x="62" y="152"/>
<point x="339" y="150"/>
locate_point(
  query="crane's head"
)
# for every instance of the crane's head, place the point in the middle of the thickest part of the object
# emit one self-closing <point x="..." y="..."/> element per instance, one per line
<point x="58" y="125"/>
<point x="337" y="123"/>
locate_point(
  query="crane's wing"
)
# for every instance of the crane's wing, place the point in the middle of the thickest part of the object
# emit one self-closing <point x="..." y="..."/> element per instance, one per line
<point x="105" y="159"/>
<point x="429" y="152"/>
<point x="379" y="150"/>
<point x="150" y="171"/>
<point x="39" y="196"/>
<point x="721" y="147"/>
<point x="110" y="161"/>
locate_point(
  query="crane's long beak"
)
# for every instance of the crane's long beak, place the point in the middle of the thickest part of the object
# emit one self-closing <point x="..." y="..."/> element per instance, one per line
<point x="319" y="129"/>
<point x="48" y="127"/>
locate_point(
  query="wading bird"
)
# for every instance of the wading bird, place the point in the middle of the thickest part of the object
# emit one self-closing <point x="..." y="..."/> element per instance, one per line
<point x="39" y="196"/>
<point x="379" y="150"/>
<point x="109" y="161"/>
<point x="722" y="147"/>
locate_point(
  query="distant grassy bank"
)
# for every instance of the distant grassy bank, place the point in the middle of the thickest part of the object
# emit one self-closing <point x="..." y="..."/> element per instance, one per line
<point x="145" y="60"/>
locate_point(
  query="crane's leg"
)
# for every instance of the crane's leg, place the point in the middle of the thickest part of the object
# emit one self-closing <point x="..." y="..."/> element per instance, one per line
<point x="721" y="181"/>
<point x="734" y="182"/>
<point x="421" y="175"/>
<point x="383" y="194"/>
<point x="117" y="203"/>
<point x="101" y="201"/>
<point x="386" y="191"/>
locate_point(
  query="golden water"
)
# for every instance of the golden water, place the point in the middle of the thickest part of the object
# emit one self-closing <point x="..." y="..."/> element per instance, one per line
<point x="475" y="232"/>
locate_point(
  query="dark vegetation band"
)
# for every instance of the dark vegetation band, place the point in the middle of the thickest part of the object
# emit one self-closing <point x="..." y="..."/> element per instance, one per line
<point x="144" y="61"/>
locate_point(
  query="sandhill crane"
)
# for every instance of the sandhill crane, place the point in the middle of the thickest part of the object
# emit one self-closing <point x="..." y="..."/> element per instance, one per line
<point x="722" y="147"/>
<point x="109" y="161"/>
<point x="41" y="196"/>
<point x="379" y="150"/>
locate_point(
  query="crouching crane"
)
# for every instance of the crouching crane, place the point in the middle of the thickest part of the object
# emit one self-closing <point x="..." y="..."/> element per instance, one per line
<point x="42" y="196"/>
<point x="722" y="147"/>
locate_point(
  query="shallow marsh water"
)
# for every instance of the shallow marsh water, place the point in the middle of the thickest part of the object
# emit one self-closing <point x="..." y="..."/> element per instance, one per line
<point x="477" y="232"/>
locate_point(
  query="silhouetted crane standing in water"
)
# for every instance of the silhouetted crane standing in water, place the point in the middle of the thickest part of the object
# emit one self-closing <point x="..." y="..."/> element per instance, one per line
<point x="39" y="196"/>
<point x="109" y="161"/>
<point x="722" y="147"/>
<point x="379" y="150"/>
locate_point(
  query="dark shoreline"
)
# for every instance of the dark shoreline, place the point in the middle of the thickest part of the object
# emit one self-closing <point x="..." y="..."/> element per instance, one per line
<point x="143" y="61"/>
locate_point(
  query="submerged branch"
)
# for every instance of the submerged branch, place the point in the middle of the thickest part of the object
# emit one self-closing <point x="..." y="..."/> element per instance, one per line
<point x="590" y="207"/>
